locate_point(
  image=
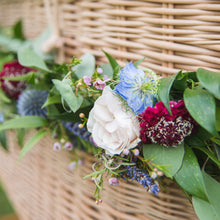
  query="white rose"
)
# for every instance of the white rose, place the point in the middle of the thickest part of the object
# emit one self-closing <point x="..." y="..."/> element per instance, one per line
<point x="113" y="128"/>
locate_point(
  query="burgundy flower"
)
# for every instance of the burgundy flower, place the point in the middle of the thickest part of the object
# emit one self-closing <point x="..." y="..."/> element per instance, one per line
<point x="13" y="88"/>
<point x="158" y="126"/>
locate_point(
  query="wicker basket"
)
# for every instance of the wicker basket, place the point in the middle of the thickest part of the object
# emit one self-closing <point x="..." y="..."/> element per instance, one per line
<point x="41" y="187"/>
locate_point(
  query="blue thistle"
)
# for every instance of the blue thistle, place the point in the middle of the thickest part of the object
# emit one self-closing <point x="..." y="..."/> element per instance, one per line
<point x="30" y="103"/>
<point x="144" y="179"/>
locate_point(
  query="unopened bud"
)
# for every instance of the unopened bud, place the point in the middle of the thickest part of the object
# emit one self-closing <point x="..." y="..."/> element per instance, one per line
<point x="113" y="181"/>
<point x="136" y="152"/>
<point x="62" y="141"/>
<point x="82" y="115"/>
<point x="126" y="152"/>
<point x="80" y="126"/>
<point x="99" y="70"/>
<point x="160" y="173"/>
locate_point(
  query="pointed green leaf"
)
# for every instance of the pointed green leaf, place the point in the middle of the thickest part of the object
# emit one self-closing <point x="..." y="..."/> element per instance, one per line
<point x="201" y="105"/>
<point x="189" y="177"/>
<point x="165" y="156"/>
<point x="136" y="64"/>
<point x="86" y="67"/>
<point x="204" y="209"/>
<point x="25" y="77"/>
<point x="18" y="30"/>
<point x="3" y="139"/>
<point x="73" y="101"/>
<point x="37" y="137"/>
<point x="24" y="122"/>
<point x="52" y="100"/>
<point x="3" y="97"/>
<point x="29" y="58"/>
<point x="164" y="87"/>
<point x="210" y="80"/>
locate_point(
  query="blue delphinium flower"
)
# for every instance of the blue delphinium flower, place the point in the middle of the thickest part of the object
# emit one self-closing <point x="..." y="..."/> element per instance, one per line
<point x="144" y="179"/>
<point x="30" y="103"/>
<point x="137" y="88"/>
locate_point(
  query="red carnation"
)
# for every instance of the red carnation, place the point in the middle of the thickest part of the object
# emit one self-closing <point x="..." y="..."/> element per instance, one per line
<point x="158" y="126"/>
<point x="13" y="88"/>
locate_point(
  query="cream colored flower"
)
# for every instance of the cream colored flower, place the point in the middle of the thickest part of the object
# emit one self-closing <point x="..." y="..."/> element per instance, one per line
<point x="113" y="128"/>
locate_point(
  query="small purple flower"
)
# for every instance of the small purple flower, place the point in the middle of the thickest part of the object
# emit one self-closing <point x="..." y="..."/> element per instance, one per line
<point x="113" y="181"/>
<point x="99" y="84"/>
<point x="87" y="80"/>
<point x="72" y="166"/>
<point x="99" y="70"/>
<point x="68" y="146"/>
<point x="105" y="78"/>
<point x="136" y="152"/>
<point x="125" y="152"/>
<point x="56" y="146"/>
<point x="81" y="162"/>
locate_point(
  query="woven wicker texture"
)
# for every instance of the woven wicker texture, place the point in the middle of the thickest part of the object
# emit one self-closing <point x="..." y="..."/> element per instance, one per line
<point x="41" y="187"/>
<point x="31" y="12"/>
<point x="172" y="34"/>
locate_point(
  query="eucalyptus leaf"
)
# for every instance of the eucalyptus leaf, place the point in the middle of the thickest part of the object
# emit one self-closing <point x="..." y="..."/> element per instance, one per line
<point x="24" y="122"/>
<point x="189" y="177"/>
<point x="201" y="105"/>
<point x="165" y="156"/>
<point x="73" y="101"/>
<point x="204" y="209"/>
<point x="31" y="142"/>
<point x="210" y="80"/>
<point x="27" y="57"/>
<point x="107" y="70"/>
<point x="86" y="67"/>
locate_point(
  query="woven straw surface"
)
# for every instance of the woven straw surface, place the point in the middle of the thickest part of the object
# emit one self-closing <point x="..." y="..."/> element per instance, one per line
<point x="41" y="187"/>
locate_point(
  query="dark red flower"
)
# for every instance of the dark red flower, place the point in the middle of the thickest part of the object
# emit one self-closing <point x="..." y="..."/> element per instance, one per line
<point x="13" y="88"/>
<point x="158" y="126"/>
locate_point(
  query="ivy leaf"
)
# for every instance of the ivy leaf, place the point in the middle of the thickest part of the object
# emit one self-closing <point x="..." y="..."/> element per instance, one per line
<point x="189" y="177"/>
<point x="37" y="137"/>
<point x="29" y="58"/>
<point x="86" y="67"/>
<point x="165" y="156"/>
<point x="24" y="122"/>
<point x="201" y="105"/>
<point x="73" y="101"/>
<point x="210" y="80"/>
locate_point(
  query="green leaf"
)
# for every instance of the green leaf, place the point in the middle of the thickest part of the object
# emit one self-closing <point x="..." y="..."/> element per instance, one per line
<point x="201" y="105"/>
<point x="213" y="192"/>
<point x="37" y="137"/>
<point x="24" y="122"/>
<point x="136" y="64"/>
<point x="26" y="77"/>
<point x="3" y="139"/>
<point x="3" y="97"/>
<point x="189" y="177"/>
<point x="217" y="115"/>
<point x="115" y="66"/>
<point x="29" y="58"/>
<point x="86" y="67"/>
<point x="204" y="209"/>
<point x="210" y="80"/>
<point x="165" y="156"/>
<point x="107" y="70"/>
<point x="5" y="59"/>
<point x="18" y="30"/>
<point x="20" y="136"/>
<point x="52" y="100"/>
<point x="73" y="101"/>
<point x="164" y="87"/>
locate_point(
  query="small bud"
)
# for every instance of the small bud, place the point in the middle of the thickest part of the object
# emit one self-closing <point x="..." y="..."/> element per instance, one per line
<point x="136" y="152"/>
<point x="80" y="126"/>
<point x="100" y="201"/>
<point x="82" y="115"/>
<point x="68" y="146"/>
<point x="126" y="152"/>
<point x="113" y="181"/>
<point x="99" y="70"/>
<point x="62" y="141"/>
<point x="81" y="162"/>
<point x="87" y="80"/>
<point x="97" y="202"/>
<point x="93" y="179"/>
<point x="155" y="169"/>
<point x="105" y="78"/>
<point x="79" y="84"/>
<point x="160" y="173"/>
<point x="56" y="146"/>
<point x="72" y="166"/>
<point x="153" y="175"/>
